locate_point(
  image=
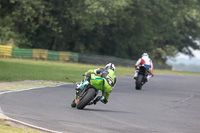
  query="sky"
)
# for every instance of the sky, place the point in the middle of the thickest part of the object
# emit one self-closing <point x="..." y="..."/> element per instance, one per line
<point x="184" y="59"/>
<point x="185" y="63"/>
<point x="195" y="52"/>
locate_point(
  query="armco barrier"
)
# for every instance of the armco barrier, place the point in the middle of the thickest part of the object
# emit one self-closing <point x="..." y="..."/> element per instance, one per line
<point x="102" y="60"/>
<point x="53" y="55"/>
<point x="5" y="51"/>
<point x="74" y="56"/>
<point x="40" y="54"/>
<point x="64" y="56"/>
<point x="22" y="53"/>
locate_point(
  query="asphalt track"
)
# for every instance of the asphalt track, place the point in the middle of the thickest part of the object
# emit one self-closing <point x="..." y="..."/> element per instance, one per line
<point x="166" y="104"/>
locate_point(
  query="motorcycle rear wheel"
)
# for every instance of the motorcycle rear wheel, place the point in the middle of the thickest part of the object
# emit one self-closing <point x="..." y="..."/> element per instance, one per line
<point x="138" y="85"/>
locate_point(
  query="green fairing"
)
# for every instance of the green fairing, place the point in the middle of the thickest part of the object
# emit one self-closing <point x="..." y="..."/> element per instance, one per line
<point x="97" y="82"/>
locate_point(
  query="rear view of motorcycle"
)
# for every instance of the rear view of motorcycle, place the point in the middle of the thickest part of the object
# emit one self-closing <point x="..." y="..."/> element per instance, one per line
<point x="142" y="77"/>
<point x="84" y="96"/>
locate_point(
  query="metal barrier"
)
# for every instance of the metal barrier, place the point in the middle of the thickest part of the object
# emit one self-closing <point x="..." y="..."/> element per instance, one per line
<point x="22" y="53"/>
<point x="5" y="51"/>
<point x="64" y="56"/>
<point x="102" y="60"/>
<point x="53" y="55"/>
<point x="42" y="54"/>
<point x="74" y="56"/>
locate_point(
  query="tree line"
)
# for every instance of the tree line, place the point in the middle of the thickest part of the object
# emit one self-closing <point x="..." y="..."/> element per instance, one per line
<point x="121" y="28"/>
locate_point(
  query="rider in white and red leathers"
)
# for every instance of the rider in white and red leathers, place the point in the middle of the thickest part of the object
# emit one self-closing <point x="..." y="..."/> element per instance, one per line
<point x="144" y="60"/>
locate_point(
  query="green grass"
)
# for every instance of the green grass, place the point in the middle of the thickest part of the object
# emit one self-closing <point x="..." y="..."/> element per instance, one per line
<point x="19" y="70"/>
<point x="6" y="128"/>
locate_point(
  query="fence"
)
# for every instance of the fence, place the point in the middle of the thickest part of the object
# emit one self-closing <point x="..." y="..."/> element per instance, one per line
<point x="40" y="54"/>
<point x="22" y="53"/>
<point x="43" y="54"/>
<point x="102" y="60"/>
<point x="5" y="51"/>
<point x="53" y="55"/>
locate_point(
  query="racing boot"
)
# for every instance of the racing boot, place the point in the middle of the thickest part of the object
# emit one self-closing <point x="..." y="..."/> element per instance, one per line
<point x="100" y="98"/>
<point x="136" y="74"/>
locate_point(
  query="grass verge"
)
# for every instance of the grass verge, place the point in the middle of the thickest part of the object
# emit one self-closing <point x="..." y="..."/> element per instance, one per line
<point x="6" y="128"/>
<point x="19" y="70"/>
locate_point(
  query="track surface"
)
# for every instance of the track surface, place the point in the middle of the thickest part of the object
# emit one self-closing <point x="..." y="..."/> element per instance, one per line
<point x="166" y="104"/>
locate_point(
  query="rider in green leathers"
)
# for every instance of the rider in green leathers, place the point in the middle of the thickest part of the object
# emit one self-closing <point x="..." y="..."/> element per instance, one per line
<point x="104" y="82"/>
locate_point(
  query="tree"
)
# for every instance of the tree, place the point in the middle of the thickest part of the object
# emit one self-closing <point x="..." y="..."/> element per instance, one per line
<point x="21" y="20"/>
<point x="122" y="28"/>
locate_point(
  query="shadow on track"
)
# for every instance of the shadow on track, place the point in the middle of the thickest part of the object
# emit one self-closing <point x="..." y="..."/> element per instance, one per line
<point x="104" y="110"/>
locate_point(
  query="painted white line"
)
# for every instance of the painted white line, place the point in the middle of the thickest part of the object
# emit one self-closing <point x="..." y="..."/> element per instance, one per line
<point x="186" y="99"/>
<point x="4" y="92"/>
<point x="2" y="115"/>
<point x="36" y="88"/>
<point x="183" y="101"/>
<point x="24" y="123"/>
<point x="32" y="126"/>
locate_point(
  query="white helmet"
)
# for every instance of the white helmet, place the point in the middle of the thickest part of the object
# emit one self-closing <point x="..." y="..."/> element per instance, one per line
<point x="145" y="54"/>
<point x="110" y="66"/>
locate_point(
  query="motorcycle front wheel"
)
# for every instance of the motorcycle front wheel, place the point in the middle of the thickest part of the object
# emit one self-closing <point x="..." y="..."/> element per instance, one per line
<point x="90" y="94"/>
<point x="73" y="104"/>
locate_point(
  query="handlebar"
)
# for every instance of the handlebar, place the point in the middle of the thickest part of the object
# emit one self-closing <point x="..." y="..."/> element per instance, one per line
<point x="84" y="74"/>
<point x="145" y="67"/>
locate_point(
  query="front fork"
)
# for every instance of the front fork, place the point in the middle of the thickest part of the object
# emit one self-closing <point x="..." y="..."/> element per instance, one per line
<point x="76" y="97"/>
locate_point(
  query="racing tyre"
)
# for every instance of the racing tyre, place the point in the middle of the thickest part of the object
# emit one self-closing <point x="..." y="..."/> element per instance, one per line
<point x="73" y="105"/>
<point x="86" y="99"/>
<point x="139" y="82"/>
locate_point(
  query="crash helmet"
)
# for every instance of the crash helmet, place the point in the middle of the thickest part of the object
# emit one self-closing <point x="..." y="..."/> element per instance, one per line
<point x="145" y="55"/>
<point x="110" y="66"/>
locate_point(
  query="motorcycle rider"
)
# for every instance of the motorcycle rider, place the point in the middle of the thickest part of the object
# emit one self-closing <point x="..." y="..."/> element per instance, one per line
<point x="145" y="60"/>
<point x="104" y="82"/>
